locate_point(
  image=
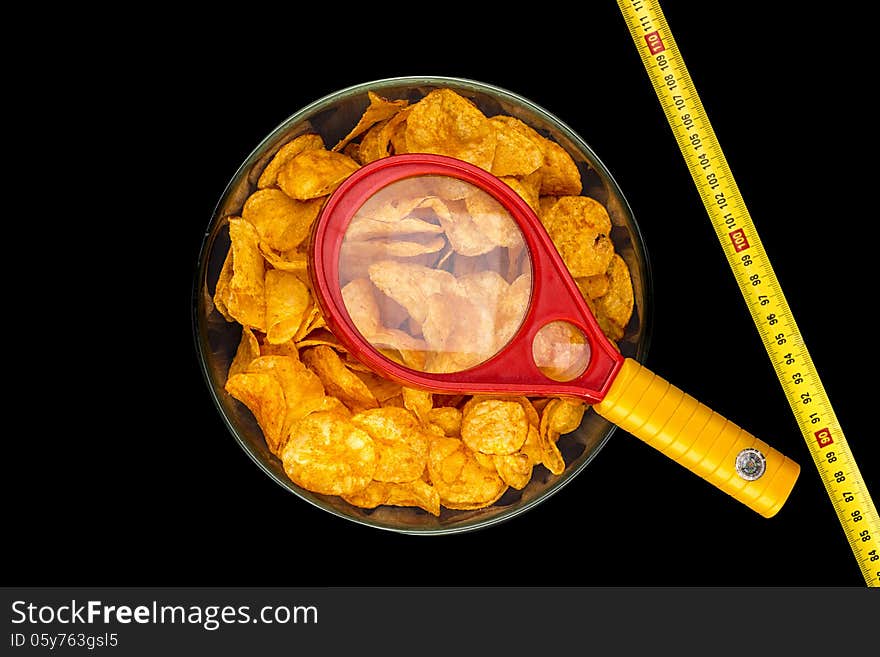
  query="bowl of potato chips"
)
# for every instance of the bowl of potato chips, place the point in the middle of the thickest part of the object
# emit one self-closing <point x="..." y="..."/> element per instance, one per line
<point x="313" y="416"/>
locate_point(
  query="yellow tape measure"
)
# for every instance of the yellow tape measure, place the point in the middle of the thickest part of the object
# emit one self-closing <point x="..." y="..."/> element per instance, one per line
<point x="757" y="282"/>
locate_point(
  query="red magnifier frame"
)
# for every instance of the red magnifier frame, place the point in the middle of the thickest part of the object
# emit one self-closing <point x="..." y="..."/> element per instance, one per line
<point x="554" y="296"/>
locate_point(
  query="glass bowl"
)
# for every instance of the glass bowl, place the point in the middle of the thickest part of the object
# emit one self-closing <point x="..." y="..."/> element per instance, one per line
<point x="332" y="117"/>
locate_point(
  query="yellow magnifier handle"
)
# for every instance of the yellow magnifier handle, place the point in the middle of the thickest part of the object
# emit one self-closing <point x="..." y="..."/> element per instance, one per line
<point x="692" y="434"/>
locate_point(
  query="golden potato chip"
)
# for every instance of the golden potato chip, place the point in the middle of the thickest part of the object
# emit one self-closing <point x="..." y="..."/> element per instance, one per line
<point x="303" y="391"/>
<point x="444" y="123"/>
<point x="458" y="332"/>
<point x="382" y="388"/>
<point x="379" y="109"/>
<point x="383" y="139"/>
<point x="416" y="493"/>
<point x="524" y="193"/>
<point x="310" y="319"/>
<point x="546" y="203"/>
<point x="460" y="480"/>
<point x="515" y="153"/>
<point x="494" y="426"/>
<point x="362" y="229"/>
<point x="447" y="418"/>
<point x="580" y="227"/>
<point x="397" y="131"/>
<point x="592" y="287"/>
<point x="248" y="350"/>
<point x="617" y="303"/>
<point x="411" y="285"/>
<point x="338" y="380"/>
<point x="293" y="261"/>
<point x="286" y="153"/>
<point x="374" y="144"/>
<point x="288" y="348"/>
<point x="420" y="402"/>
<point x="559" y="173"/>
<point x="360" y="302"/>
<point x="514" y="469"/>
<point x="262" y="394"/>
<point x="221" y="291"/>
<point x="401" y="445"/>
<point x="395" y="401"/>
<point x="550" y="455"/>
<point x="327" y="454"/>
<point x="282" y="222"/>
<point x="566" y="416"/>
<point x="315" y="173"/>
<point x="287" y="300"/>
<point x="512" y="308"/>
<point x="493" y="221"/>
<point x="383" y="249"/>
<point x="246" y="300"/>
<point x="320" y="336"/>
<point x="532" y="446"/>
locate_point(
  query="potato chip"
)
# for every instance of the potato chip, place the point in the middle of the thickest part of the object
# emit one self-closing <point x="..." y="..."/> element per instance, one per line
<point x="282" y="222"/>
<point x="411" y="285"/>
<point x="315" y="173"/>
<point x="494" y="426"/>
<point x="515" y="153"/>
<point x="566" y="416"/>
<point x="383" y="249"/>
<point x="290" y="150"/>
<point x="327" y="454"/>
<point x="320" y="336"/>
<point x="458" y="332"/>
<point x="524" y="193"/>
<point x="338" y="380"/>
<point x="262" y="394"/>
<point x="248" y="350"/>
<point x="550" y="455"/>
<point x="592" y="287"/>
<point x="532" y="446"/>
<point x="447" y="418"/>
<point x="382" y="388"/>
<point x="617" y="303"/>
<point x="379" y="109"/>
<point x="493" y="221"/>
<point x="303" y="391"/>
<point x="458" y="477"/>
<point x="401" y="445"/>
<point x="514" y="469"/>
<point x="383" y="139"/>
<point x="288" y="348"/>
<point x="444" y="123"/>
<point x="287" y="300"/>
<point x="246" y="300"/>
<point x="546" y="203"/>
<point x="360" y="302"/>
<point x="512" y="307"/>
<point x="293" y="261"/>
<point x="374" y="145"/>
<point x="579" y="227"/>
<point x="559" y="173"/>
<point x="419" y="402"/>
<point x="416" y="493"/>
<point x="221" y="291"/>
<point x="362" y="229"/>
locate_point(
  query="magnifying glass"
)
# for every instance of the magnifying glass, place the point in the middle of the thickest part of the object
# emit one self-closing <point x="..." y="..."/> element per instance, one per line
<point x="436" y="274"/>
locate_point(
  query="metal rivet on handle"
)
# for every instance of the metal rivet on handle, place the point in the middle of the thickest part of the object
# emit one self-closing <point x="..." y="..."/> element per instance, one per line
<point x="750" y="464"/>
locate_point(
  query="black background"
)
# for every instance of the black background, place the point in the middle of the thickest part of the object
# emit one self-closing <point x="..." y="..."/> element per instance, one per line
<point x="134" y="480"/>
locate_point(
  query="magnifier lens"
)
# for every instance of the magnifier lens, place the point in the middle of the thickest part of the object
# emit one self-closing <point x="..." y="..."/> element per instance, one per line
<point x="435" y="273"/>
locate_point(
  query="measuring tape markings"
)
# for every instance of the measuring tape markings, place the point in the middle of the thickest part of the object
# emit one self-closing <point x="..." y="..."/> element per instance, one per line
<point x="757" y="281"/>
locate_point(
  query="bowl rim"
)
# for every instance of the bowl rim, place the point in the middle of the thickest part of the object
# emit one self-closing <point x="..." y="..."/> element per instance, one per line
<point x="638" y="243"/>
